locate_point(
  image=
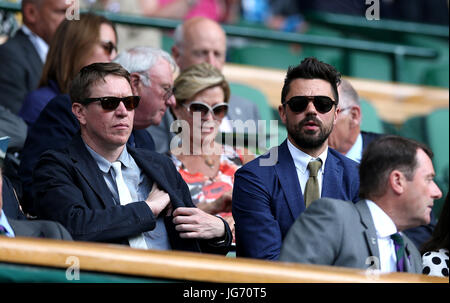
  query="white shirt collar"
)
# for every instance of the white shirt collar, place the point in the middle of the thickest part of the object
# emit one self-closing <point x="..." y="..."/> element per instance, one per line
<point x="355" y="153"/>
<point x="383" y="223"/>
<point x="301" y="159"/>
<point x="39" y="44"/>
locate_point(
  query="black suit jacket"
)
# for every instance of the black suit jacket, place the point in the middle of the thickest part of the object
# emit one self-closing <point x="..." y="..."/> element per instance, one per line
<point x="20" y="71"/>
<point x="68" y="187"/>
<point x="54" y="129"/>
<point x="39" y="229"/>
<point x="10" y="204"/>
<point x="369" y="137"/>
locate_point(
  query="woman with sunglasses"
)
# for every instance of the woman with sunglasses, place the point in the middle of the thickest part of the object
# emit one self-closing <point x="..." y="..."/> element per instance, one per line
<point x="76" y="44"/>
<point x="207" y="166"/>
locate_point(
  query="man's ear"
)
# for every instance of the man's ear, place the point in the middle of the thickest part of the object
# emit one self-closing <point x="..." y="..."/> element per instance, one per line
<point x="355" y="116"/>
<point x="135" y="80"/>
<point x="176" y="54"/>
<point x="282" y="113"/>
<point x="80" y="112"/>
<point x="397" y="181"/>
<point x="30" y="12"/>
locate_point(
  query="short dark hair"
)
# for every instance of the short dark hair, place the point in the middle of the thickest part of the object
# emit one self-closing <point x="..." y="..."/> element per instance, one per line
<point x="384" y="155"/>
<point x="311" y="68"/>
<point x="89" y="75"/>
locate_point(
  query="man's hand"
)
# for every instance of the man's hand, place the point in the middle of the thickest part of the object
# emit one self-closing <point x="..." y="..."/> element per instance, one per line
<point x="192" y="223"/>
<point x="158" y="200"/>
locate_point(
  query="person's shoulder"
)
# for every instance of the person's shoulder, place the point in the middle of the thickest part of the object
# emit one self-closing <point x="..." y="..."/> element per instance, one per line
<point x="346" y="162"/>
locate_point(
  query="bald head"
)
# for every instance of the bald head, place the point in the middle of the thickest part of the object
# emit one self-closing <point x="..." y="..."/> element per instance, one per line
<point x="199" y="40"/>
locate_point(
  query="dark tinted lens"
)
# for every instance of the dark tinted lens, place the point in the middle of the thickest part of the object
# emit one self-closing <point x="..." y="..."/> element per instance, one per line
<point x="196" y="107"/>
<point x="298" y="104"/>
<point x="111" y="103"/>
<point x="220" y="111"/>
<point x="323" y="104"/>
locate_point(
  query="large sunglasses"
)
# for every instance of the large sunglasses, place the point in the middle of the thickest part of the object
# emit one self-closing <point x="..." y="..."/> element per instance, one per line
<point x="219" y="110"/>
<point x="111" y="103"/>
<point x="108" y="46"/>
<point x="323" y="104"/>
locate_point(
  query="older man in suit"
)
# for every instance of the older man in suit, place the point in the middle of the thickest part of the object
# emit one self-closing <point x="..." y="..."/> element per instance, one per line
<point x="102" y="190"/>
<point x="271" y="191"/>
<point x="22" y="56"/>
<point x="397" y="189"/>
<point x="14" y="225"/>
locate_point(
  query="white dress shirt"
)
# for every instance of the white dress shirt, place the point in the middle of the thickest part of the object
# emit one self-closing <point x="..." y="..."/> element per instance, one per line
<point x="39" y="44"/>
<point x="301" y="161"/>
<point x="385" y="228"/>
<point x="355" y="153"/>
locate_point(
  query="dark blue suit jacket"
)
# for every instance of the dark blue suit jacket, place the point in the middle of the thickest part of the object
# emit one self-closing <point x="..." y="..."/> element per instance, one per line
<point x="268" y="199"/>
<point x="68" y="187"/>
<point x="54" y="129"/>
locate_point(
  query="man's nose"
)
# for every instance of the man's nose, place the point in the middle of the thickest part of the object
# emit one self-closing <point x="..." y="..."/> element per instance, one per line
<point x="171" y="101"/>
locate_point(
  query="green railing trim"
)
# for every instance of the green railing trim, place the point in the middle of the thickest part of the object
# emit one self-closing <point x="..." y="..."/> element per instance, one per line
<point x="382" y="24"/>
<point x="19" y="273"/>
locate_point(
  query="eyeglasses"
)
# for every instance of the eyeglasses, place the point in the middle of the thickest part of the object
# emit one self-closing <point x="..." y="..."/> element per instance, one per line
<point x="108" y="46"/>
<point x="168" y="92"/>
<point x="219" y="111"/>
<point x="111" y="103"/>
<point x="323" y="104"/>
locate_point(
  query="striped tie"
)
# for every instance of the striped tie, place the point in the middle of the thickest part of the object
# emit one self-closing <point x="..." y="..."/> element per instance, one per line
<point x="399" y="245"/>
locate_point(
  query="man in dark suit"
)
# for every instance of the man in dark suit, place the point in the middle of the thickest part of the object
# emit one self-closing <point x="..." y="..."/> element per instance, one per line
<point x="199" y="40"/>
<point x="397" y="192"/>
<point x="22" y="56"/>
<point x="348" y="139"/>
<point x="269" y="192"/>
<point x="12" y="224"/>
<point x="102" y="190"/>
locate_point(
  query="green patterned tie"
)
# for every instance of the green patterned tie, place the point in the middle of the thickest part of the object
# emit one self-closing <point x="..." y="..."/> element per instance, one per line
<point x="399" y="245"/>
<point x="312" y="185"/>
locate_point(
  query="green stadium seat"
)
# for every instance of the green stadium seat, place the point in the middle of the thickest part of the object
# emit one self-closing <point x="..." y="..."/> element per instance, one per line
<point x="414" y="128"/>
<point x="437" y="76"/>
<point x="371" y="122"/>
<point x="369" y="66"/>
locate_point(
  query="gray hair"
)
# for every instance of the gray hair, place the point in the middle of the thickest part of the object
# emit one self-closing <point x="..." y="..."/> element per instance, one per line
<point x="140" y="59"/>
<point x="347" y="94"/>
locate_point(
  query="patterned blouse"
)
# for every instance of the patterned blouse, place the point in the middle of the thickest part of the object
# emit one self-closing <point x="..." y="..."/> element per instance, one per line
<point x="206" y="189"/>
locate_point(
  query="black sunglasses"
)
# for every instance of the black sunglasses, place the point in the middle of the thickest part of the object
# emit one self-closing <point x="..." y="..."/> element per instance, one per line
<point x="111" y="103"/>
<point x="219" y="110"/>
<point x="108" y="46"/>
<point x="323" y="104"/>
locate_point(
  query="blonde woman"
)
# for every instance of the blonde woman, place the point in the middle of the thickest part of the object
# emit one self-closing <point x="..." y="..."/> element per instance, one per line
<point x="207" y="166"/>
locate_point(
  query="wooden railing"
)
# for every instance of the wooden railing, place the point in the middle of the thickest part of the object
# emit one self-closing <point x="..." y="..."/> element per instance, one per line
<point x="174" y="265"/>
<point x="395" y="102"/>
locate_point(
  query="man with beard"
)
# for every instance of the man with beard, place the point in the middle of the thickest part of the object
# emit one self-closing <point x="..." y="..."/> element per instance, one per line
<point x="269" y="195"/>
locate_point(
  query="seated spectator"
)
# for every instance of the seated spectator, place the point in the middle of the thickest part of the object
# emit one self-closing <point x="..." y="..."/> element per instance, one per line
<point x="435" y="251"/>
<point x="11" y="227"/>
<point x="22" y="56"/>
<point x="75" y="44"/>
<point x="348" y="139"/>
<point x="207" y="166"/>
<point x="397" y="191"/>
<point x="271" y="191"/>
<point x="102" y="190"/>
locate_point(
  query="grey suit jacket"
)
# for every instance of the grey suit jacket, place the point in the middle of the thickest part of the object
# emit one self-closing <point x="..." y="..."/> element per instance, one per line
<point x="341" y="233"/>
<point x="20" y="71"/>
<point x="39" y="229"/>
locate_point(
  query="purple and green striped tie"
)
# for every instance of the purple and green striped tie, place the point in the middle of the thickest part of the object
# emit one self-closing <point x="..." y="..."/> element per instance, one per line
<point x="399" y="251"/>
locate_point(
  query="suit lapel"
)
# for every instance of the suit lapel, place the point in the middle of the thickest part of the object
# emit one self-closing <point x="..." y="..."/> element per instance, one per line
<point x="287" y="175"/>
<point x="88" y="168"/>
<point x="33" y="57"/>
<point x="370" y="233"/>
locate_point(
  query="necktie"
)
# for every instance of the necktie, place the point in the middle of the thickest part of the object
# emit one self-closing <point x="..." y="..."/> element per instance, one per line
<point x="3" y="231"/>
<point x="312" y="185"/>
<point x="125" y="198"/>
<point x="399" y="245"/>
